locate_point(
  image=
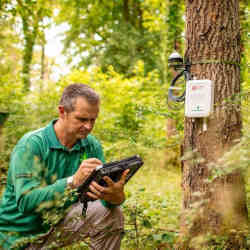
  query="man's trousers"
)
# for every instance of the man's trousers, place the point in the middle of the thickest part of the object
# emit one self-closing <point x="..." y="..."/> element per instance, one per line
<point x="104" y="227"/>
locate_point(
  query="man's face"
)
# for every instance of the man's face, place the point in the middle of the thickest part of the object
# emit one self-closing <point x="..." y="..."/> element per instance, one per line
<point x="81" y="121"/>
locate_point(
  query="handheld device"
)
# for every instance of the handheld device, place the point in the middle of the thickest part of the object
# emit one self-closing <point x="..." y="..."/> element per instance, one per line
<point x="113" y="170"/>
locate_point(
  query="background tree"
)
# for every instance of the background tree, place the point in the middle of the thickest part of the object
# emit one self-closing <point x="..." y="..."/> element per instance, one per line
<point x="245" y="27"/>
<point x="9" y="40"/>
<point x="213" y="47"/>
<point x="174" y="42"/>
<point x="32" y="14"/>
<point x="3" y="117"/>
<point x="116" y="33"/>
<point x="28" y="15"/>
<point x="174" y="39"/>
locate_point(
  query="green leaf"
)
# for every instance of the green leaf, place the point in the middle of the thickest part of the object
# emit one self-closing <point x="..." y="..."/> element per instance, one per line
<point x="146" y="223"/>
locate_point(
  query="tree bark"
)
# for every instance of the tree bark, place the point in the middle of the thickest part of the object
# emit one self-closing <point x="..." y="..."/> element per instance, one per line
<point x="213" y="48"/>
<point x="126" y="10"/>
<point x="30" y="24"/>
<point x="3" y="118"/>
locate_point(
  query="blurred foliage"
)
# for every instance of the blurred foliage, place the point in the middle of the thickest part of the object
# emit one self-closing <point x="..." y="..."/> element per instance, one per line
<point x="132" y="113"/>
<point x="121" y="33"/>
<point x="131" y="121"/>
<point x="27" y="21"/>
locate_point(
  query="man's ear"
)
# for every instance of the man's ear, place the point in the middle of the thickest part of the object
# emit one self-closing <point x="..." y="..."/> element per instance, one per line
<point x="61" y="111"/>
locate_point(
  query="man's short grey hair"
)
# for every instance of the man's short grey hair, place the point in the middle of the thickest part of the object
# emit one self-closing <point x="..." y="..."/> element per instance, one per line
<point x="73" y="91"/>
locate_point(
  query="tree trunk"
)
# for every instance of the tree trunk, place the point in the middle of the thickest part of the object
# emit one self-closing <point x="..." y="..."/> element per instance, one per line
<point x="213" y="47"/>
<point x="27" y="59"/>
<point x="126" y="10"/>
<point x="30" y="24"/>
<point x="173" y="42"/>
<point x="3" y="118"/>
<point x="30" y="34"/>
<point x="1" y="138"/>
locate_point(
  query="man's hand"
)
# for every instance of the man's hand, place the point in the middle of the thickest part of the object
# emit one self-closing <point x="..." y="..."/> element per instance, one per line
<point x="84" y="170"/>
<point x="113" y="193"/>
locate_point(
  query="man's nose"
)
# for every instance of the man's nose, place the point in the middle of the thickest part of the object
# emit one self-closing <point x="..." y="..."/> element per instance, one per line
<point x="88" y="125"/>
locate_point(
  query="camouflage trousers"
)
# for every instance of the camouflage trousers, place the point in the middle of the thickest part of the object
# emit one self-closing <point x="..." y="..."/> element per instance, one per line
<point x="103" y="226"/>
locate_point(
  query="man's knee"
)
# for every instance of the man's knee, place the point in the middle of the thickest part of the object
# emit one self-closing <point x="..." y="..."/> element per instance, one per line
<point x="103" y="218"/>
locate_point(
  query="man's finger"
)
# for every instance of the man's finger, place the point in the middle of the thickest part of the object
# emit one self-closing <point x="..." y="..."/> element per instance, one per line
<point x="92" y="161"/>
<point x="86" y="172"/>
<point x="124" y="175"/>
<point x="92" y="195"/>
<point x="98" y="187"/>
<point x="95" y="191"/>
<point x="108" y="180"/>
<point x="89" y="165"/>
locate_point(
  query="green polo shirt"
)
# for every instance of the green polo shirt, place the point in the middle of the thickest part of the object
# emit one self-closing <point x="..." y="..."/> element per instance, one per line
<point x="37" y="178"/>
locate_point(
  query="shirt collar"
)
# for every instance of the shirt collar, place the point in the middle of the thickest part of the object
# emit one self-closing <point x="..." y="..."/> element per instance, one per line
<point x="55" y="143"/>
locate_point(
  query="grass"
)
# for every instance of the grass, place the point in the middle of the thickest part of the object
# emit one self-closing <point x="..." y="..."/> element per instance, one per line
<point x="156" y="191"/>
<point x="154" y="201"/>
<point x="154" y="204"/>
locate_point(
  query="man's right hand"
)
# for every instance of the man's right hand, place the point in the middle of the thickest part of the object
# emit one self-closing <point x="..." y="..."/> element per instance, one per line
<point x="84" y="170"/>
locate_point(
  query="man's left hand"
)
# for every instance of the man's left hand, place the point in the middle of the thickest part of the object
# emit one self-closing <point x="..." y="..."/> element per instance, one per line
<point x="113" y="193"/>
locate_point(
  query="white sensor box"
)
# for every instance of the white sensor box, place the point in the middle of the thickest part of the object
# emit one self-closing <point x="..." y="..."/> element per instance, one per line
<point x="199" y="100"/>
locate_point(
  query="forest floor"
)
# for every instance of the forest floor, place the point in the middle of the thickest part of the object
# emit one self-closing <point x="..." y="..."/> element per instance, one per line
<point x="153" y="205"/>
<point x="152" y="209"/>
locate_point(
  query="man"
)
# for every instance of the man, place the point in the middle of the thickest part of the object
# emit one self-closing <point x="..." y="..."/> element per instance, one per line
<point x="47" y="163"/>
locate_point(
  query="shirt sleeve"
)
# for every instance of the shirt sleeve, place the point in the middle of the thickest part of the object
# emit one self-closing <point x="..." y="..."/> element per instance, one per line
<point x="31" y="191"/>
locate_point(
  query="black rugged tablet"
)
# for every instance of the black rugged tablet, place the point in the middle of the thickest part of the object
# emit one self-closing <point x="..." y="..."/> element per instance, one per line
<point x="113" y="170"/>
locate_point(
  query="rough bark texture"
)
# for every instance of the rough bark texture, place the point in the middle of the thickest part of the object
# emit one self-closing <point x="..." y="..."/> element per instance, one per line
<point x="213" y="33"/>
